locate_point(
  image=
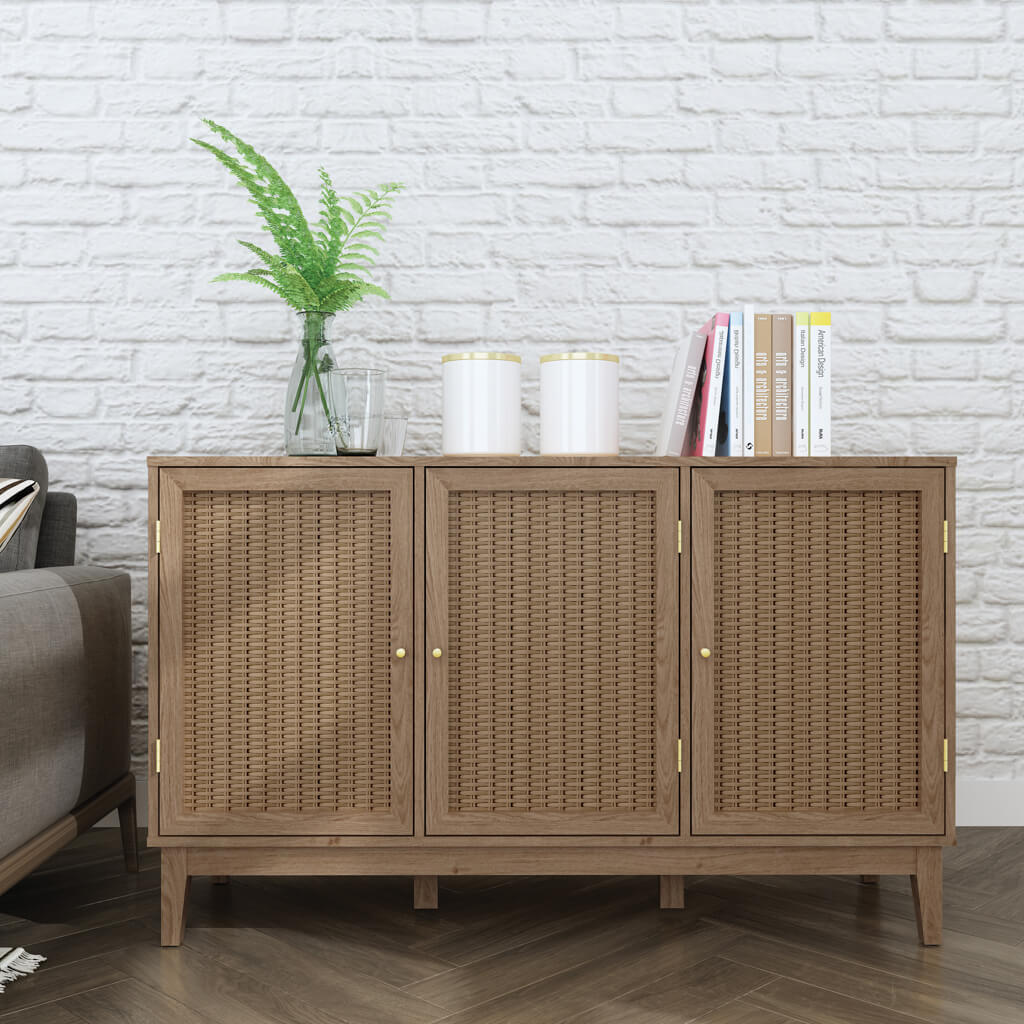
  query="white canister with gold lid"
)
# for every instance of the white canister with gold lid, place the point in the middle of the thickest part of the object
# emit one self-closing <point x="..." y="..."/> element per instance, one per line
<point x="579" y="403"/>
<point x="481" y="403"/>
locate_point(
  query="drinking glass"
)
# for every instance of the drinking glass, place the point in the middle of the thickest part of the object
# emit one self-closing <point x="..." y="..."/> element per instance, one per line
<point x="356" y="400"/>
<point x="392" y="436"/>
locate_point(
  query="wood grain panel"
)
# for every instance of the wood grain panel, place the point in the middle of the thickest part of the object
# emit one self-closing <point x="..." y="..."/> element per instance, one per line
<point x="564" y="860"/>
<point x="542" y="461"/>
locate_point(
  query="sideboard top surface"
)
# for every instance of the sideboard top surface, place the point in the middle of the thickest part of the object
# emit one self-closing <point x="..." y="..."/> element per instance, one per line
<point x="541" y="461"/>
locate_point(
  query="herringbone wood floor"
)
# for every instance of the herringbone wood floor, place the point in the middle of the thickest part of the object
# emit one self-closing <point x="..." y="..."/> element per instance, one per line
<point x="505" y="951"/>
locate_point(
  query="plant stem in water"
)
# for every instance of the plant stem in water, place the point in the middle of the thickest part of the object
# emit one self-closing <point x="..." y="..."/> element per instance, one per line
<point x="312" y="341"/>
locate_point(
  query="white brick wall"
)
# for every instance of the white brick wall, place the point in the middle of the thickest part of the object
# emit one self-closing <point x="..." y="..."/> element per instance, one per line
<point x="594" y="173"/>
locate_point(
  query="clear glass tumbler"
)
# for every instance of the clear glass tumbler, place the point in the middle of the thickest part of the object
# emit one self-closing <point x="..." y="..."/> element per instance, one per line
<point x="357" y="410"/>
<point x="392" y="437"/>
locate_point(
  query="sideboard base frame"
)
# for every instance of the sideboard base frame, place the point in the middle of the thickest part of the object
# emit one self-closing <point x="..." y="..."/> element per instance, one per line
<point x="923" y="864"/>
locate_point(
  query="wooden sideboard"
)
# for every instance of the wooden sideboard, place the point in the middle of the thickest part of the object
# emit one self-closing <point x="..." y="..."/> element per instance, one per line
<point x="551" y="666"/>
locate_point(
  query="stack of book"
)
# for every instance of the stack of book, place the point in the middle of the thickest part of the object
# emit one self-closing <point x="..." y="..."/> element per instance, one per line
<point x="752" y="384"/>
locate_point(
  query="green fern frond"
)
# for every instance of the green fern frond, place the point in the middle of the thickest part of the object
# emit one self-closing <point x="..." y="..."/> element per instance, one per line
<point x="249" y="276"/>
<point x="268" y="258"/>
<point x="316" y="268"/>
<point x="332" y="225"/>
<point x="296" y="283"/>
<point x="278" y="207"/>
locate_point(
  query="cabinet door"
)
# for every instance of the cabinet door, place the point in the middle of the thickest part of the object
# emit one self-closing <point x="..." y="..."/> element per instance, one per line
<point x="284" y="594"/>
<point x="818" y="595"/>
<point x="552" y="603"/>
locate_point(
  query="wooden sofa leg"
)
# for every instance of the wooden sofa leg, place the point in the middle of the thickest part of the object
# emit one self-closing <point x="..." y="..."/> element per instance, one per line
<point x="672" y="892"/>
<point x="129" y="834"/>
<point x="174" y="885"/>
<point x="424" y="892"/>
<point x="927" y="886"/>
<point x="869" y="879"/>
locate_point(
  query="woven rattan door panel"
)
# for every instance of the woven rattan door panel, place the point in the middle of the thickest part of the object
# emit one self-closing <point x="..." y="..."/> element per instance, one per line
<point x="552" y="603"/>
<point x="819" y="595"/>
<point x="284" y="594"/>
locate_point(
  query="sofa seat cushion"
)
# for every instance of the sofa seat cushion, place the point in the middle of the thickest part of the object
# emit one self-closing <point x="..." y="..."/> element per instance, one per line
<point x="65" y="693"/>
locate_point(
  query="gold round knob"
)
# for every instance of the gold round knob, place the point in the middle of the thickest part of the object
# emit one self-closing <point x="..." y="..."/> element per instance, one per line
<point x="400" y="653"/>
<point x="436" y="652"/>
<point x="705" y="652"/>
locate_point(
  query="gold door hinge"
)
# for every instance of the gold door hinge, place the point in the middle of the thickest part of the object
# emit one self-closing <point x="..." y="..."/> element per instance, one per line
<point x="156" y="755"/>
<point x="158" y="536"/>
<point x="945" y="755"/>
<point x="945" y="536"/>
<point x="680" y="761"/>
<point x="679" y="536"/>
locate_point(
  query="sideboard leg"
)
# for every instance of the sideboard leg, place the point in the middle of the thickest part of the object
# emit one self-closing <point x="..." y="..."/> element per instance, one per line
<point x="424" y="892"/>
<point x="927" y="886"/>
<point x="174" y="885"/>
<point x="672" y="892"/>
<point x="869" y="879"/>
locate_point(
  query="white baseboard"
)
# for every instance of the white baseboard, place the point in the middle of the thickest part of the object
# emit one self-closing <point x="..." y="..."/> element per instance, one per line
<point x="978" y="802"/>
<point x="990" y="802"/>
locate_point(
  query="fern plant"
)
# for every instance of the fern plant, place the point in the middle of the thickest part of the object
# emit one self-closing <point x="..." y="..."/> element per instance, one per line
<point x="319" y="269"/>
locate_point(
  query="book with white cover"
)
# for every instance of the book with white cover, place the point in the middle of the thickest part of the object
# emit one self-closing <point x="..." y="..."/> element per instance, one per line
<point x="718" y="342"/>
<point x="801" y="384"/>
<point x="748" y="380"/>
<point x="736" y="384"/>
<point x="679" y="399"/>
<point x="821" y="384"/>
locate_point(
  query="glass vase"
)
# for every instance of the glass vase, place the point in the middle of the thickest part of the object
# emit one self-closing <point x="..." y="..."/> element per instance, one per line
<point x="307" y="409"/>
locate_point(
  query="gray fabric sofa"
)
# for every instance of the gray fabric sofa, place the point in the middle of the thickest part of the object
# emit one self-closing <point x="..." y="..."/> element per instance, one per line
<point x="65" y="684"/>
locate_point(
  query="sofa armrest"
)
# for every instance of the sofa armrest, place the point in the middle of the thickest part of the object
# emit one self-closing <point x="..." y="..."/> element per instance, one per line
<point x="65" y="692"/>
<point x="57" y="530"/>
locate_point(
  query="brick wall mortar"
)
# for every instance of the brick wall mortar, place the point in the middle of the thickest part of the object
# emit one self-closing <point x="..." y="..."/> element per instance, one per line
<point x="590" y="173"/>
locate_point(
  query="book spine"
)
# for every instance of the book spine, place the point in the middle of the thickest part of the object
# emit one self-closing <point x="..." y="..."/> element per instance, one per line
<point x="801" y="384"/>
<point x="704" y="385"/>
<point x="669" y="432"/>
<point x="682" y="425"/>
<point x="762" y="384"/>
<point x="821" y="383"/>
<point x="724" y="412"/>
<point x="722" y="431"/>
<point x="782" y="384"/>
<point x="748" y="380"/>
<point x="735" y="384"/>
<point x="718" y="341"/>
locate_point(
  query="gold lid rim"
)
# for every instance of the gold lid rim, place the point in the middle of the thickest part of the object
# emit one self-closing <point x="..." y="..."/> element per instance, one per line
<point x="507" y="357"/>
<point x="606" y="357"/>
